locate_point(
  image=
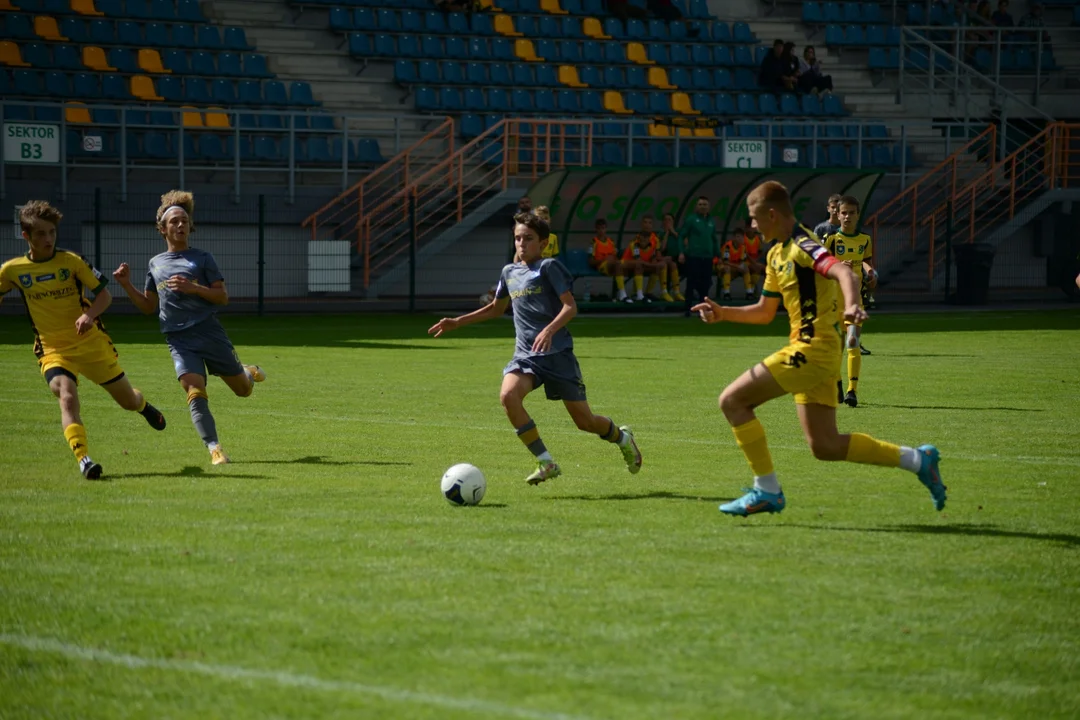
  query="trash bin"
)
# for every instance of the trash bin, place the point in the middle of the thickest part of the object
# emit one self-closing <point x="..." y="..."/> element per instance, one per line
<point x="973" y="264"/>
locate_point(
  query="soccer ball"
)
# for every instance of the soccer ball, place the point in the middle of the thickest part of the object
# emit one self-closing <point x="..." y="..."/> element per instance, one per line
<point x="464" y="484"/>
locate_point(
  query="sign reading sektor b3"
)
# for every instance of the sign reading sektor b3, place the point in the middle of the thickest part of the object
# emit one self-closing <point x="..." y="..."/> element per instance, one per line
<point x="31" y="143"/>
<point x="745" y="154"/>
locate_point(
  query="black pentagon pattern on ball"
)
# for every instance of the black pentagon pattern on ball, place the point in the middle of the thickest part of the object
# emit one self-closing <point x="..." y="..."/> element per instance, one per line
<point x="454" y="494"/>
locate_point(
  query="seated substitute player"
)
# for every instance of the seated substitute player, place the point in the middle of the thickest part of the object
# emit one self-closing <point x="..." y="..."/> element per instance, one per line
<point x="733" y="259"/>
<point x="604" y="258"/>
<point x="642" y="256"/>
<point x="669" y="249"/>
<point x="802" y="274"/>
<point x="185" y="286"/>
<point x="69" y="339"/>
<point x="540" y="290"/>
<point x="856" y="250"/>
<point x="551" y="250"/>
<point x="754" y="259"/>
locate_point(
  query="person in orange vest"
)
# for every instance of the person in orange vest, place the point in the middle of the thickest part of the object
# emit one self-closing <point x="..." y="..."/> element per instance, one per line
<point x="643" y="255"/>
<point x="733" y="259"/>
<point x="754" y="260"/>
<point x="605" y="259"/>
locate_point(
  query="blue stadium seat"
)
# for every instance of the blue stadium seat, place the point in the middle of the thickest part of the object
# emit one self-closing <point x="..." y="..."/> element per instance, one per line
<point x="614" y="28"/>
<point x="426" y="99"/>
<point x="855" y="35"/>
<point x="549" y="27"/>
<point x="789" y="105"/>
<point x="452" y="72"/>
<point x="341" y="20"/>
<point x="267" y="148"/>
<point x="722" y="79"/>
<point x="482" y="24"/>
<point x="748" y="131"/>
<point x="635" y="101"/>
<point x="852" y="12"/>
<point x="680" y="77"/>
<point x="593" y="53"/>
<point x="569" y="102"/>
<point x="74" y="29"/>
<point x="389" y="21"/>
<point x="384" y="46"/>
<point x="476" y="73"/>
<point x="367" y="151"/>
<point x="409" y="46"/>
<point x="208" y="37"/>
<point x="521" y="101"/>
<point x="432" y="47"/>
<point x="501" y="49"/>
<point x="680" y="54"/>
<point x="839" y="156"/>
<point x="183" y="36"/>
<point x="811" y="13"/>
<point x="832" y="105"/>
<point x="498" y="100"/>
<point x="872" y="14"/>
<point x="834" y="36"/>
<point x="725" y="104"/>
<point x="300" y="94"/>
<point x="102" y="32"/>
<point x="114" y="87"/>
<point x="457" y="24"/>
<point x="523" y="75"/>
<point x="189" y="11"/>
<point x="657" y="30"/>
<point x="768" y="105"/>
<point x="470" y="125"/>
<point x="545" y="100"/>
<point x="546" y="50"/>
<point x="747" y="104"/>
<point x="163" y="10"/>
<point x="746" y="80"/>
<point x="658" y="53"/>
<point x="612" y="153"/>
<point x="811" y="105"/>
<point x="500" y="74"/>
<point x="270" y="121"/>
<point x="20" y="113"/>
<point x="405" y="72"/>
<point x="722" y="56"/>
<point x="212" y="147"/>
<point x="704" y="154"/>
<point x="250" y="92"/>
<point x="570" y="52"/>
<point x="175" y="61"/>
<point x="255" y="66"/>
<point x="701" y="56"/>
<point x="635" y="30"/>
<point x="744" y="57"/>
<point x="463" y="48"/>
<point x="571" y="28"/>
<point x="197" y="91"/>
<point x="590" y="75"/>
<point x="202" y="63"/>
<point x="37" y="55"/>
<point x="679" y="31"/>
<point x="659" y="103"/>
<point x="703" y="103"/>
<point x="320" y="121"/>
<point x="18" y="27"/>
<point x="66" y="57"/>
<point x="702" y="79"/>
<point x="156" y="145"/>
<point x="546" y="76"/>
<point x="742" y="33"/>
<point x="592" y="102"/>
<point x="435" y="22"/>
<point x="875" y="35"/>
<point x="57" y="84"/>
<point x="360" y="45"/>
<point x="614" y="53"/>
<point x="365" y="20"/>
<point x="412" y="22"/>
<point x="224" y="92"/>
<point x="721" y="33"/>
<point x="831" y="13"/>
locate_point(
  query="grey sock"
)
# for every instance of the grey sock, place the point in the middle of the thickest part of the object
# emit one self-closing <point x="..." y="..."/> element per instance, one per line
<point x="203" y="420"/>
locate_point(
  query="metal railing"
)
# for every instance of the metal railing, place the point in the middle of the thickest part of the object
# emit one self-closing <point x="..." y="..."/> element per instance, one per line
<point x="107" y="147"/>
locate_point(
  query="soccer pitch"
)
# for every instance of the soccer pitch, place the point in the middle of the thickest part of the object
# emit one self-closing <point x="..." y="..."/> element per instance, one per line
<point x="322" y="574"/>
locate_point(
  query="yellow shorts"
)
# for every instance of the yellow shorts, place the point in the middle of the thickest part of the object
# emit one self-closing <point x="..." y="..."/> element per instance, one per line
<point x="808" y="371"/>
<point x="96" y="360"/>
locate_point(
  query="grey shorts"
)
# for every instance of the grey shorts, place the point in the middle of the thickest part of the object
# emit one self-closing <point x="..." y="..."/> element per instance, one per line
<point x="559" y="373"/>
<point x="204" y="349"/>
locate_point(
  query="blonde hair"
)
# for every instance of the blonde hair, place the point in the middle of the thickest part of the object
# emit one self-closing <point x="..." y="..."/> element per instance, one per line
<point x="37" y="210"/>
<point x="544" y="212"/>
<point x="176" y="198"/>
<point x="771" y="195"/>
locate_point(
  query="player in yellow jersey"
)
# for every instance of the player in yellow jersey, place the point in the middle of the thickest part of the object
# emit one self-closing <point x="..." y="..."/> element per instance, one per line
<point x="69" y="339"/>
<point x="856" y="250"/>
<point x="803" y="275"/>
<point x="551" y="250"/>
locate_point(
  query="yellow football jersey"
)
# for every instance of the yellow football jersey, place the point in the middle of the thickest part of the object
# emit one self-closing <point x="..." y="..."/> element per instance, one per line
<point x="795" y="273"/>
<point x="552" y="247"/>
<point x="851" y="250"/>
<point x="53" y="290"/>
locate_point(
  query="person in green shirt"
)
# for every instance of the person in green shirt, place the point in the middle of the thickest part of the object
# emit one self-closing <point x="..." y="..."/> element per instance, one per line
<point x="698" y="246"/>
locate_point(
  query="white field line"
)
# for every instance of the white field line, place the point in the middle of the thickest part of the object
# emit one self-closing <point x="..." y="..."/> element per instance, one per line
<point x="668" y="438"/>
<point x="284" y="679"/>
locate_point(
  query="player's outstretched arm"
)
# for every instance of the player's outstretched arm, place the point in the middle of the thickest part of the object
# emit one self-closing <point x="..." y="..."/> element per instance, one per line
<point x="760" y="313"/>
<point x="101" y="302"/>
<point x="849" y="285"/>
<point x="495" y="308"/>
<point x="146" y="302"/>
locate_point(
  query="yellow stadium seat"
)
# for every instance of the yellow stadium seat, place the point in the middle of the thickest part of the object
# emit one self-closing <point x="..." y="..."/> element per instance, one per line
<point x="704" y="132"/>
<point x="94" y="58"/>
<point x="216" y="118"/>
<point x="592" y="28"/>
<point x="150" y="61"/>
<point x="680" y="102"/>
<point x="524" y="49"/>
<point x="46" y="27"/>
<point x="142" y="87"/>
<point x="613" y="101"/>
<point x="658" y="78"/>
<point x="659" y="131"/>
<point x="85" y="7"/>
<point x="488" y="5"/>
<point x="6" y="5"/>
<point x="568" y="76"/>
<point x="504" y="25"/>
<point x="192" y="116"/>
<point x="76" y="113"/>
<point x="682" y="132"/>
<point x="552" y="6"/>
<point x="635" y="52"/>
<point x="10" y="55"/>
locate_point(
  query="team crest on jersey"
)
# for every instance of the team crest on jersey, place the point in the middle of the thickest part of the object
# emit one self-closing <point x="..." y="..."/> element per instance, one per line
<point x="65" y="274"/>
<point x="25" y="280"/>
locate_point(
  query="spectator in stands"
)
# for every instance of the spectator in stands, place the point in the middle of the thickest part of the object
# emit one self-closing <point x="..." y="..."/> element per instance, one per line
<point x="789" y="67"/>
<point x="1002" y="18"/>
<point x="551" y="250"/>
<point x="1034" y="19"/>
<point x="811" y="79"/>
<point x="622" y="9"/>
<point x="770" y="75"/>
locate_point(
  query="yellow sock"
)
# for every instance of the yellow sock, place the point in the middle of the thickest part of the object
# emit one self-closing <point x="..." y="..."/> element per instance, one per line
<point x="675" y="278"/>
<point x="746" y="282"/>
<point x="620" y="281"/>
<point x="195" y="393"/>
<point x="725" y="280"/>
<point x="868" y="451"/>
<point x="75" y="435"/>
<point x="653" y="280"/>
<point x="639" y="282"/>
<point x="142" y="405"/>
<point x="662" y="274"/>
<point x="751" y="439"/>
<point x="854" y="365"/>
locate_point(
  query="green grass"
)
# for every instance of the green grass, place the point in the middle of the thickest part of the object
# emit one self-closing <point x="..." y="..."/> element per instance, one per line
<point x="322" y="575"/>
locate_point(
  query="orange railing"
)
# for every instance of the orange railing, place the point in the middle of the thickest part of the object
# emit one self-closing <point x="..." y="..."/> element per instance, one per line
<point x="1048" y="161"/>
<point x="449" y="190"/>
<point x="339" y="218"/>
<point x="897" y="223"/>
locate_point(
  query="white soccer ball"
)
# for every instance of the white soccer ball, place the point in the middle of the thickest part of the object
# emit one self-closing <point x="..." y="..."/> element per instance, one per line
<point x="463" y="484"/>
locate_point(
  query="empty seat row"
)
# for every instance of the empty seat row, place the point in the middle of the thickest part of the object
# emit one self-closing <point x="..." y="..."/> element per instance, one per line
<point x="213" y="117"/>
<point x="567" y="51"/>
<point x="449" y="99"/>
<point x="194" y="90"/>
<point x="862" y="36"/>
<point x="131" y="61"/>
<point x="165" y="10"/>
<point x="1011" y="60"/>
<point x="817" y="13"/>
<point x="451" y="72"/>
<point x="107" y="32"/>
<point x="222" y="148"/>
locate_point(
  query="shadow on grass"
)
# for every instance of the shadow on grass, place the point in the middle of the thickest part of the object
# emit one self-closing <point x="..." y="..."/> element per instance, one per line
<point x="320" y="460"/>
<point x="188" y="471"/>
<point x="951" y="407"/>
<point x="655" y="495"/>
<point x="968" y="530"/>
<point x="922" y="355"/>
<point x="369" y="345"/>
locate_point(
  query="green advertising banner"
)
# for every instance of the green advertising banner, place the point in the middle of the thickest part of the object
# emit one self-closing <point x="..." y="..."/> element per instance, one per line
<point x="623" y="196"/>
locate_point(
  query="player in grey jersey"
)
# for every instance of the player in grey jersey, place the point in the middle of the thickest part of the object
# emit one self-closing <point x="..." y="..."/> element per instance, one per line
<point x="540" y="290"/>
<point x="185" y="286"/>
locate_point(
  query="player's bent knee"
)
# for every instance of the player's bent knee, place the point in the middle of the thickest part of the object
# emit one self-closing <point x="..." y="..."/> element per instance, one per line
<point x="827" y="449"/>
